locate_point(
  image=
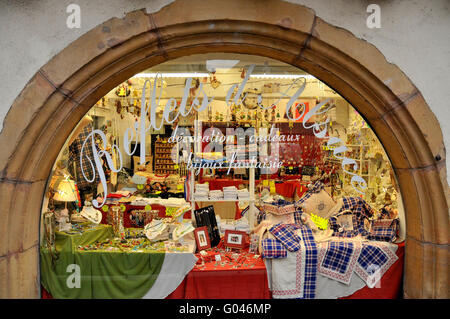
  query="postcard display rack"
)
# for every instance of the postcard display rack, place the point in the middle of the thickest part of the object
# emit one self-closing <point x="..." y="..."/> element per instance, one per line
<point x="252" y="210"/>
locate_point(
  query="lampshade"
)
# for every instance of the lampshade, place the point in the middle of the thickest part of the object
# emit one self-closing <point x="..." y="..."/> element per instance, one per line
<point x="65" y="191"/>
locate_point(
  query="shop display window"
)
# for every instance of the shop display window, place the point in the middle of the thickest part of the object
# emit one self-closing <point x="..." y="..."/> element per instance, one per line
<point x="216" y="144"/>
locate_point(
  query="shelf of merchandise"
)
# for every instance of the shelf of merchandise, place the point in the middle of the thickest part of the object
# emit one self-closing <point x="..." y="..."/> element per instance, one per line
<point x="251" y="214"/>
<point x="163" y="159"/>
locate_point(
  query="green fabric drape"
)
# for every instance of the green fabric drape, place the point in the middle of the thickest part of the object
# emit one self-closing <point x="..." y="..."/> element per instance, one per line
<point x="103" y="274"/>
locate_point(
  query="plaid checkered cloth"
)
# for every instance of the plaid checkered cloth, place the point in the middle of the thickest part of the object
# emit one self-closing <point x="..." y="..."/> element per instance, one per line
<point x="272" y="248"/>
<point x="384" y="230"/>
<point x="316" y="188"/>
<point x="373" y="262"/>
<point x="305" y="274"/>
<point x="360" y="211"/>
<point x="75" y="162"/>
<point x="285" y="233"/>
<point x="310" y="276"/>
<point x="337" y="259"/>
<point x="298" y="215"/>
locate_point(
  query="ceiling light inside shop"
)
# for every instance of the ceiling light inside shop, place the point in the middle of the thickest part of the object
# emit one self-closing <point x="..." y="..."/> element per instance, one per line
<point x="281" y="76"/>
<point x="172" y="75"/>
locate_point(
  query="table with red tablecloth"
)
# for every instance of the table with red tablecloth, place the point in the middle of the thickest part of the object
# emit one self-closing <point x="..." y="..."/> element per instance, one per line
<point x="391" y="284"/>
<point x="242" y="276"/>
<point x="230" y="283"/>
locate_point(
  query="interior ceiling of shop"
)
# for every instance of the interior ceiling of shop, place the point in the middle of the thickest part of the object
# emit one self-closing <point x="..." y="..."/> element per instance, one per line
<point x="205" y="63"/>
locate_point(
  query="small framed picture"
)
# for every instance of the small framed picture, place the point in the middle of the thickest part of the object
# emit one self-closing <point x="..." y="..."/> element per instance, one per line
<point x="202" y="238"/>
<point x="235" y="239"/>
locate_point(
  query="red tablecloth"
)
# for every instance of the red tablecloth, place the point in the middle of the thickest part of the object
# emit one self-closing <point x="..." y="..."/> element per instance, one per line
<point x="287" y="189"/>
<point x="391" y="285"/>
<point x="219" y="184"/>
<point x="252" y="283"/>
<point x="290" y="189"/>
<point x="243" y="278"/>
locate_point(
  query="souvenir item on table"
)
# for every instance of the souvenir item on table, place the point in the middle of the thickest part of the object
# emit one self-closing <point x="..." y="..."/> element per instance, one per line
<point x="139" y="179"/>
<point x="353" y="218"/>
<point x="202" y="238"/>
<point x="91" y="214"/>
<point x="182" y="230"/>
<point x="179" y="213"/>
<point x="62" y="218"/>
<point x="117" y="220"/>
<point x="206" y="217"/>
<point x="384" y="229"/>
<point x="317" y="201"/>
<point x="156" y="230"/>
<point x="139" y="218"/>
<point x="236" y="239"/>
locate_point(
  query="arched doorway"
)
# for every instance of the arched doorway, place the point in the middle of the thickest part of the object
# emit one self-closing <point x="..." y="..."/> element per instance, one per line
<point x="56" y="98"/>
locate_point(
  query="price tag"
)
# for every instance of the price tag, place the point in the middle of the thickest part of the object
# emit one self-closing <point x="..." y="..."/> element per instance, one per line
<point x="291" y="168"/>
<point x="176" y="166"/>
<point x="148" y="208"/>
<point x="180" y="186"/>
<point x="218" y="257"/>
<point x="265" y="182"/>
<point x="321" y="223"/>
<point x="105" y="208"/>
<point x="272" y="187"/>
<point x="123" y="207"/>
<point x="170" y="211"/>
<point x="140" y="186"/>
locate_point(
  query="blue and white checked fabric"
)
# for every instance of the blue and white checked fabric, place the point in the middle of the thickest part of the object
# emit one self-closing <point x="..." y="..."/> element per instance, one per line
<point x="361" y="212"/>
<point x="338" y="256"/>
<point x="316" y="188"/>
<point x="310" y="276"/>
<point x="384" y="230"/>
<point x="272" y="248"/>
<point x="371" y="256"/>
<point x="298" y="215"/>
<point x="373" y="262"/>
<point x="337" y="259"/>
<point x="285" y="233"/>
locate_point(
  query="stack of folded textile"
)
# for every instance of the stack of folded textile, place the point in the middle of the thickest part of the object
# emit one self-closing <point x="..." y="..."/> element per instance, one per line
<point x="243" y="194"/>
<point x="201" y="192"/>
<point x="216" y="195"/>
<point x="230" y="193"/>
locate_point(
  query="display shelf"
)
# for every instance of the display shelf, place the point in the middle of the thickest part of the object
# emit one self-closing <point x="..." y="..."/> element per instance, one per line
<point x="163" y="157"/>
<point x="224" y="200"/>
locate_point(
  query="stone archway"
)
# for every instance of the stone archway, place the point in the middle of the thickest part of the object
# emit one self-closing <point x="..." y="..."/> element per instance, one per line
<point x="62" y="91"/>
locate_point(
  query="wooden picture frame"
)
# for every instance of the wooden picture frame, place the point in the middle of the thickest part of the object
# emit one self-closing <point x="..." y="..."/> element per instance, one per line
<point x="235" y="239"/>
<point x="202" y="238"/>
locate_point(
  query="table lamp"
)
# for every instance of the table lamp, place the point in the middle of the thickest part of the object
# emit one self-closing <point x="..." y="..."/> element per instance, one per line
<point x="65" y="192"/>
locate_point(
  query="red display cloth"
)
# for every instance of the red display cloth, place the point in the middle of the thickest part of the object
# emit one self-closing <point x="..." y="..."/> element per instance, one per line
<point x="287" y="189"/>
<point x="390" y="286"/>
<point x="219" y="184"/>
<point x="290" y="189"/>
<point x="244" y="277"/>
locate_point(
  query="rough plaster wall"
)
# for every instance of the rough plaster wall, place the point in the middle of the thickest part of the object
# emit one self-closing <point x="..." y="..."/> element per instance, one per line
<point x="414" y="34"/>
